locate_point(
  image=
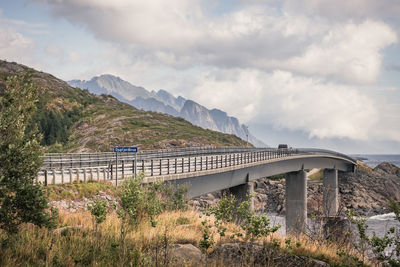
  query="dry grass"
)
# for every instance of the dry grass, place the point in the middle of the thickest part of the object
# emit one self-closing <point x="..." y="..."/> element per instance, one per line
<point x="78" y="190"/>
<point x="317" y="176"/>
<point x="77" y="246"/>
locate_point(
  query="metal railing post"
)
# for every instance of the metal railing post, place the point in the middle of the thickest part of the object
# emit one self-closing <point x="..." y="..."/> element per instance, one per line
<point x="123" y="169"/>
<point x="45" y="177"/>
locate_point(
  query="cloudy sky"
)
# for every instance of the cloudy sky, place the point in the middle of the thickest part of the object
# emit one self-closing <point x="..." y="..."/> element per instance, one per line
<point x="311" y="73"/>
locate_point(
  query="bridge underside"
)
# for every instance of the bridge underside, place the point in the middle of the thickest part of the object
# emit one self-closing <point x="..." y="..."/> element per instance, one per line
<point x="238" y="182"/>
<point x="203" y="184"/>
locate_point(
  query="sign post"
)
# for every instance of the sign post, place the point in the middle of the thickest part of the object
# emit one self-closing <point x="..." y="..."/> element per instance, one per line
<point x="134" y="166"/>
<point x="123" y="149"/>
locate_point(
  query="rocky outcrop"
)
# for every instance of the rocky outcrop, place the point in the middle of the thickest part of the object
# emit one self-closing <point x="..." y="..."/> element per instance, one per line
<point x="187" y="255"/>
<point x="369" y="190"/>
<point x="81" y="204"/>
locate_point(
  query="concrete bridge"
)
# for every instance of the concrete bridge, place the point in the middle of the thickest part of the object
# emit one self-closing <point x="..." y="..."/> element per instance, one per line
<point x="205" y="170"/>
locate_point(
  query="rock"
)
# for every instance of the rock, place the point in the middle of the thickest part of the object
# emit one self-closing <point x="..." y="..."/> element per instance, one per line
<point x="187" y="253"/>
<point x="386" y="167"/>
<point x="195" y="203"/>
<point x="229" y="254"/>
<point x="246" y="254"/>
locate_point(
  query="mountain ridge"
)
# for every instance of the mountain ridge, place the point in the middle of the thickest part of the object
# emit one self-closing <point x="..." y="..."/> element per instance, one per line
<point x="164" y="102"/>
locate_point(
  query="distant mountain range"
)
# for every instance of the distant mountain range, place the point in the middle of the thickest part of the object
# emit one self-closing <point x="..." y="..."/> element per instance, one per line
<point x="164" y="102"/>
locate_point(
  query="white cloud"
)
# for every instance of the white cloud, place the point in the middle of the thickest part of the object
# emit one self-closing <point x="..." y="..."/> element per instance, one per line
<point x="182" y="34"/>
<point x="345" y="9"/>
<point x="349" y="52"/>
<point x="323" y="109"/>
<point x="14" y="46"/>
<point x="54" y="50"/>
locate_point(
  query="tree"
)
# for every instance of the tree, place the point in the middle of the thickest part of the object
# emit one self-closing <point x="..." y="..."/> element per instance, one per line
<point x="21" y="200"/>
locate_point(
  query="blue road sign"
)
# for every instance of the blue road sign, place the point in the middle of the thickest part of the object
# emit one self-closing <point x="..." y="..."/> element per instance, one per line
<point x="125" y="149"/>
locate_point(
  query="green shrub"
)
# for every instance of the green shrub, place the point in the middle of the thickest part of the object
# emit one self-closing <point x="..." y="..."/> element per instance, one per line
<point x="21" y="200"/>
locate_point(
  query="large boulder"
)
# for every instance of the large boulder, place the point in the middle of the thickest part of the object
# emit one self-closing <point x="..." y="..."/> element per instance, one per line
<point x="187" y="254"/>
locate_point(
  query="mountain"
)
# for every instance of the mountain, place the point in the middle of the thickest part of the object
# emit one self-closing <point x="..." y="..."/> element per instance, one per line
<point x="164" y="102"/>
<point x="198" y="115"/>
<point x="75" y="120"/>
<point x="109" y="84"/>
<point x="152" y="104"/>
<point x="175" y="102"/>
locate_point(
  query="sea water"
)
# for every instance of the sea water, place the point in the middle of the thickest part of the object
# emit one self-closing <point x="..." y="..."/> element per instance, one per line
<point x="378" y="224"/>
<point x="374" y="160"/>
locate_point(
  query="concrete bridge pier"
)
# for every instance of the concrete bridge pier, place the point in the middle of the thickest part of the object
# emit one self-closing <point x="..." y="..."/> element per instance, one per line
<point x="296" y="202"/>
<point x="330" y="192"/>
<point x="240" y="192"/>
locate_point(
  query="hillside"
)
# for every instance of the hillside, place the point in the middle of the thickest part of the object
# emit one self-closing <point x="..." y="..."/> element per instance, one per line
<point x="74" y="120"/>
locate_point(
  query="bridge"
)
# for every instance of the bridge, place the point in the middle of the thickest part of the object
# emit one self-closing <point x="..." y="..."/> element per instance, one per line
<point x="205" y="170"/>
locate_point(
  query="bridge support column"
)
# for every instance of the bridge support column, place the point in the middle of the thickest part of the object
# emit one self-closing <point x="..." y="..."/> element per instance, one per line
<point x="331" y="191"/>
<point x="296" y="202"/>
<point x="240" y="192"/>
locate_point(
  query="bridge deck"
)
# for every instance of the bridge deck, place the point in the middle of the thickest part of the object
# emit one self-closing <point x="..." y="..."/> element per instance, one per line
<point x="185" y="164"/>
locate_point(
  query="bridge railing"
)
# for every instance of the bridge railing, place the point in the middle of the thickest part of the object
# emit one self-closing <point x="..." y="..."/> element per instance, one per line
<point x="71" y="160"/>
<point x="318" y="151"/>
<point x="83" y="167"/>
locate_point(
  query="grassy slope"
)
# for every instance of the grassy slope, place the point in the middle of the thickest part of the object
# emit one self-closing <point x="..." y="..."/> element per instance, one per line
<point x="101" y="122"/>
<point x="80" y="245"/>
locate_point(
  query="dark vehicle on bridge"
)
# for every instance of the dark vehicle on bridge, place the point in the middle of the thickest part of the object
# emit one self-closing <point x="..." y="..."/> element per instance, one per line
<point x="283" y="146"/>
